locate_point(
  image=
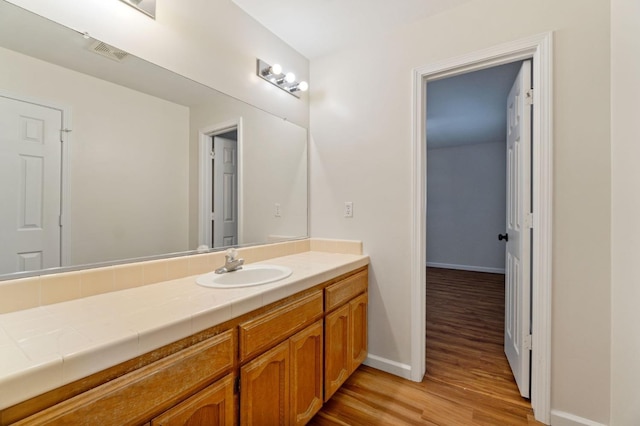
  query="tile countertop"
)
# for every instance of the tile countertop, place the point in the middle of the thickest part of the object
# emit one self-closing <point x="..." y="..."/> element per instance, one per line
<point x="46" y="347"/>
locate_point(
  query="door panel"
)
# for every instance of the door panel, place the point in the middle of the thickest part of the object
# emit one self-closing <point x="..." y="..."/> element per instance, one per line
<point x="30" y="186"/>
<point x="213" y="406"/>
<point x="337" y="356"/>
<point x="264" y="388"/>
<point x="225" y="193"/>
<point x="358" y="330"/>
<point x="518" y="252"/>
<point x="306" y="373"/>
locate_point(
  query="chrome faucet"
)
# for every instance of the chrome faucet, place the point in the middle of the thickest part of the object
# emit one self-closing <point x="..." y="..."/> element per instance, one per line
<point x="231" y="262"/>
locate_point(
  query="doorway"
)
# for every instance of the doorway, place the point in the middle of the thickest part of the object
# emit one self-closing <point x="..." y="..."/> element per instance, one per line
<point x="220" y="202"/>
<point x="469" y="132"/>
<point x="539" y="49"/>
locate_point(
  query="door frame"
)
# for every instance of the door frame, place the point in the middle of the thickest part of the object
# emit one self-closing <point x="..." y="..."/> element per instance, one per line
<point x="204" y="178"/>
<point x="65" y="160"/>
<point x="539" y="48"/>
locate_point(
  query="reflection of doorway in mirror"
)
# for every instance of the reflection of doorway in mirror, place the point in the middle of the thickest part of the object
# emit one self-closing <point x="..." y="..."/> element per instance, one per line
<point x="212" y="185"/>
<point x="225" y="189"/>
<point x="30" y="185"/>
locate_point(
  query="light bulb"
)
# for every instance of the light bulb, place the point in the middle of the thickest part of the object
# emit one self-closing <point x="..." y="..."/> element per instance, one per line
<point x="303" y="86"/>
<point x="276" y="69"/>
<point x="290" y="77"/>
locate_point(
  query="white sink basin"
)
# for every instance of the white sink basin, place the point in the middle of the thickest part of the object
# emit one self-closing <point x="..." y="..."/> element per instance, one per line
<point x="248" y="276"/>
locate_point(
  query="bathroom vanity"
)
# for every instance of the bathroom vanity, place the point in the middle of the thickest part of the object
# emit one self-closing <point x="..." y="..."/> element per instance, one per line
<point x="285" y="349"/>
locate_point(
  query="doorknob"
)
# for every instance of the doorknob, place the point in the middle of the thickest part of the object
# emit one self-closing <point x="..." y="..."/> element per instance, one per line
<point x="503" y="237"/>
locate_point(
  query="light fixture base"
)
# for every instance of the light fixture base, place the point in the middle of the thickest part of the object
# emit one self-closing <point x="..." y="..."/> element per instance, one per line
<point x="263" y="70"/>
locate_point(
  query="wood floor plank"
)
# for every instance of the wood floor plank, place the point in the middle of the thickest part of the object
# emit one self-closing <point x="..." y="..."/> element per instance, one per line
<point x="468" y="380"/>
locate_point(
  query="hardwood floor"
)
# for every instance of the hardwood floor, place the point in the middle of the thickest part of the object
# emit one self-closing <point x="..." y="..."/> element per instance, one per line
<point x="468" y="380"/>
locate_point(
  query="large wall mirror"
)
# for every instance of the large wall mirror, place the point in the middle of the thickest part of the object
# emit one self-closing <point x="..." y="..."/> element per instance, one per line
<point x="106" y="157"/>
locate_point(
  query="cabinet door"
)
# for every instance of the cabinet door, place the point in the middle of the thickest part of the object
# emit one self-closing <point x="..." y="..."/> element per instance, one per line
<point x="264" y="388"/>
<point x="306" y="374"/>
<point x="337" y="354"/>
<point x="357" y="331"/>
<point x="212" y="406"/>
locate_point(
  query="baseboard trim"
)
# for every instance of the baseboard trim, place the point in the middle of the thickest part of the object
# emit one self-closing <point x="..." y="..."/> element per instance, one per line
<point x="389" y="366"/>
<point x="561" y="418"/>
<point x="465" y="267"/>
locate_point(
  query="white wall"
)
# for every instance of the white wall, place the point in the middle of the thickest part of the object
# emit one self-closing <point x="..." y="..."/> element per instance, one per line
<point x="213" y="42"/>
<point x="123" y="149"/>
<point x="625" y="253"/>
<point x="466" y="199"/>
<point x="361" y="151"/>
<point x="274" y="169"/>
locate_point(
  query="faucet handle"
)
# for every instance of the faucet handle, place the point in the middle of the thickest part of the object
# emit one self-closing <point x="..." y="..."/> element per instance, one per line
<point x="231" y="254"/>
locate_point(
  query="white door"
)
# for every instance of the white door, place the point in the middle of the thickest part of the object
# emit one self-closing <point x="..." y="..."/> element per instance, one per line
<point x="225" y="192"/>
<point x="30" y="186"/>
<point x="517" y="334"/>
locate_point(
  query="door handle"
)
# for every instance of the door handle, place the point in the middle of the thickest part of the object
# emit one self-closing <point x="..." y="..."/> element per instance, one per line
<point x="503" y="237"/>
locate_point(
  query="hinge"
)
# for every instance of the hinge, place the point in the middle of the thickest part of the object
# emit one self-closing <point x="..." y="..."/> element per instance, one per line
<point x="213" y="216"/>
<point x="528" y="97"/>
<point x="237" y="385"/>
<point x="528" y="220"/>
<point x="212" y="154"/>
<point x="527" y="342"/>
<point x="60" y="221"/>
<point x="64" y="131"/>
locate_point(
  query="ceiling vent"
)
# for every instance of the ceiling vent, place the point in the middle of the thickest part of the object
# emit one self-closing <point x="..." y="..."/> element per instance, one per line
<point x="108" y="51"/>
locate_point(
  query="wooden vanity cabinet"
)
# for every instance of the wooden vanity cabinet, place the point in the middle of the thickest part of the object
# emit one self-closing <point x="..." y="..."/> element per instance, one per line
<point x="345" y="331"/>
<point x="286" y="360"/>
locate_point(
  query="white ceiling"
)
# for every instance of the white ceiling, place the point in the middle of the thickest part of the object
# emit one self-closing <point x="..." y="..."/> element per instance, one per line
<point x="318" y="27"/>
<point x="470" y="108"/>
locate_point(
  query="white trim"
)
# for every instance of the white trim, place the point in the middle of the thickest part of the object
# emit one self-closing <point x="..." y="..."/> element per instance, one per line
<point x="389" y="366"/>
<point x="204" y="179"/>
<point x="65" y="173"/>
<point x="418" y="224"/>
<point x="561" y="418"/>
<point x="472" y="268"/>
<point x="65" y="208"/>
<point x="538" y="47"/>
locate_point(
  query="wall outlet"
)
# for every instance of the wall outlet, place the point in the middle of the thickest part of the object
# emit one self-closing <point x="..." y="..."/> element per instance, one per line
<point x="277" y="210"/>
<point x="348" y="209"/>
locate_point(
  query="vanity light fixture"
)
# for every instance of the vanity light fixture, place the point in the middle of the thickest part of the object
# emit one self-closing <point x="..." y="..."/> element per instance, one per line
<point x="148" y="7"/>
<point x="285" y="81"/>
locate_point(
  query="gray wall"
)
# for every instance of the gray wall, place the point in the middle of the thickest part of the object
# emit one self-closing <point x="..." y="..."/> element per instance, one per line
<point x="466" y="192"/>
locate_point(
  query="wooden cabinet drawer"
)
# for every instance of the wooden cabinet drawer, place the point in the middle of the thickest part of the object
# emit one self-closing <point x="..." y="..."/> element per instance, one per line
<point x="138" y="396"/>
<point x="345" y="290"/>
<point x="259" y="334"/>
